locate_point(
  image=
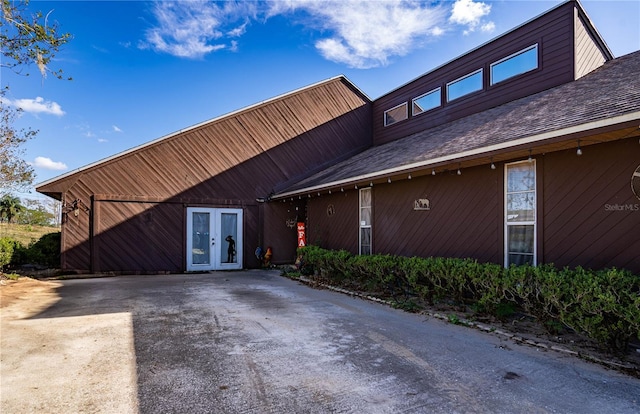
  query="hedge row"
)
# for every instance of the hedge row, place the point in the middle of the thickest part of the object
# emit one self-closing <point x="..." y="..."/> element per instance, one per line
<point x="603" y="305"/>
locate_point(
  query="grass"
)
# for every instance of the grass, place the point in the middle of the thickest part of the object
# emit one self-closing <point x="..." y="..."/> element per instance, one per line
<point x="25" y="233"/>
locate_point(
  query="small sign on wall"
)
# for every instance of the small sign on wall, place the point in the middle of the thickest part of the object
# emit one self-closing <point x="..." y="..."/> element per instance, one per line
<point x="302" y="238"/>
<point x="422" y="204"/>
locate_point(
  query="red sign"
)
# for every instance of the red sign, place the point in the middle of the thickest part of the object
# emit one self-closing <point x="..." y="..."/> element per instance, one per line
<point x="302" y="238"/>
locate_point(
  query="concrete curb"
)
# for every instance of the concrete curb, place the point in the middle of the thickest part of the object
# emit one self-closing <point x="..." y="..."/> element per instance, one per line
<point x="625" y="368"/>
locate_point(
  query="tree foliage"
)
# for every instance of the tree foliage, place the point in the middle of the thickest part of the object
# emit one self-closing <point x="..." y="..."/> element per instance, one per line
<point x="15" y="172"/>
<point x="26" y="39"/>
<point x="10" y="207"/>
<point x="36" y="213"/>
<point x="29" y="38"/>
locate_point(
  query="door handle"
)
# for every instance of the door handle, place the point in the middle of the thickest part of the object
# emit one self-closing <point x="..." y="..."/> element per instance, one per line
<point x="213" y="241"/>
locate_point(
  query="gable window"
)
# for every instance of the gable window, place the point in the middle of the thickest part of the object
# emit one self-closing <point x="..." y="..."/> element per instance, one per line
<point x="396" y="114"/>
<point x="365" y="221"/>
<point x="464" y="85"/>
<point x="425" y="102"/>
<point x="516" y="64"/>
<point x="520" y="213"/>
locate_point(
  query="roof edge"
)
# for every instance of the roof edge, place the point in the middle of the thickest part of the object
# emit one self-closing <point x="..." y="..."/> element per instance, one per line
<point x="198" y="125"/>
<point x="577" y="4"/>
<point x="629" y="117"/>
<point x="594" y="31"/>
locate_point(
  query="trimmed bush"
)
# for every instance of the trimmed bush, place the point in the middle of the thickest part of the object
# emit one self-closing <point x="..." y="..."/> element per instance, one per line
<point x="603" y="305"/>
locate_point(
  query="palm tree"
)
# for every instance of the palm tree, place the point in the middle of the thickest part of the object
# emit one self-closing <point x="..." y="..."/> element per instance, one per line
<point x="10" y="207"/>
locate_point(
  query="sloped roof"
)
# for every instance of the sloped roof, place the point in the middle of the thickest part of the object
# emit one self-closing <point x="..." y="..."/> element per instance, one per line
<point x="212" y="147"/>
<point x="607" y="96"/>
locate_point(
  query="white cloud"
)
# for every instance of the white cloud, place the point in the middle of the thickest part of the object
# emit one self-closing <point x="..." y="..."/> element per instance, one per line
<point x="193" y="29"/>
<point x="470" y="13"/>
<point x="38" y="106"/>
<point x="365" y="34"/>
<point x="102" y="140"/>
<point x="49" y="164"/>
<point x="488" y="27"/>
<point x="357" y="33"/>
<point x="116" y="129"/>
<point x="238" y="31"/>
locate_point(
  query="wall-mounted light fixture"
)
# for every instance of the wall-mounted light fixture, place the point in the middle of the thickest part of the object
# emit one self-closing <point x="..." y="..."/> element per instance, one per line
<point x="389" y="180"/>
<point x="433" y="172"/>
<point x="579" y="150"/>
<point x="409" y="177"/>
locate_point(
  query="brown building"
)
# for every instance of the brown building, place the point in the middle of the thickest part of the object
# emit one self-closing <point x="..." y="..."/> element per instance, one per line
<point x="524" y="150"/>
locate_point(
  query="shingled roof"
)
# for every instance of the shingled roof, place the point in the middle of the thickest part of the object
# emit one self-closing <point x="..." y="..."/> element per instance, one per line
<point x="607" y="96"/>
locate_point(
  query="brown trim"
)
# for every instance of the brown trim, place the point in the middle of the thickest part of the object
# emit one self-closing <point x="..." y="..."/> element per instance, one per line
<point x="192" y="202"/>
<point x="94" y="222"/>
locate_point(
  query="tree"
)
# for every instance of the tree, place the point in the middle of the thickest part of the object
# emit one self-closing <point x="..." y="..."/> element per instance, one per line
<point x="36" y="213"/>
<point x="27" y="39"/>
<point x="15" y="172"/>
<point x="10" y="207"/>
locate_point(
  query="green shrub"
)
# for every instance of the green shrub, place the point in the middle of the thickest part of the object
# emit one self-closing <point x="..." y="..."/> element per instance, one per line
<point x="43" y="252"/>
<point x="7" y="248"/>
<point x="604" y="305"/>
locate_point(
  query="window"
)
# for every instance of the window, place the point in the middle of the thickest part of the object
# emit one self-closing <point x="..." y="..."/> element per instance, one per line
<point x="425" y="102"/>
<point x="520" y="213"/>
<point x="396" y="114"/>
<point x="520" y="62"/>
<point x="365" y="221"/>
<point x="464" y="85"/>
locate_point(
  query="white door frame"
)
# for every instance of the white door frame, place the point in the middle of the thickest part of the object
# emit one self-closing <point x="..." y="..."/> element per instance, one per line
<point x="215" y="240"/>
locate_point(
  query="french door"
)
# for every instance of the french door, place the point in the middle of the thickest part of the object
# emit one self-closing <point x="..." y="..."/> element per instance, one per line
<point x="214" y="238"/>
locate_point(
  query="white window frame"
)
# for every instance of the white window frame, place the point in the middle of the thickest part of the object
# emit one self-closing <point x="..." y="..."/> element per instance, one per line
<point x="460" y="79"/>
<point x="511" y="56"/>
<point x="533" y="222"/>
<point x="406" y="114"/>
<point x="413" y="101"/>
<point x="362" y="224"/>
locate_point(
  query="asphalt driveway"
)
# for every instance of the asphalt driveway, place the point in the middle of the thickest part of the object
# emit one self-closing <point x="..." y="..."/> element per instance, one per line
<point x="255" y="342"/>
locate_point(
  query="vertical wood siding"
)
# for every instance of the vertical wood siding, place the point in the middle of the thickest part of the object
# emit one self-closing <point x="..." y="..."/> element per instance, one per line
<point x="580" y="223"/>
<point x="232" y="160"/>
<point x="133" y="236"/>
<point x="338" y="230"/>
<point x="280" y="232"/>
<point x="554" y="34"/>
<point x="463" y="220"/>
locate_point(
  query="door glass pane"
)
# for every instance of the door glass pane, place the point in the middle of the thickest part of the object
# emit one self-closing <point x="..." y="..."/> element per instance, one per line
<point x="521" y="206"/>
<point x="228" y="230"/>
<point x="200" y="252"/>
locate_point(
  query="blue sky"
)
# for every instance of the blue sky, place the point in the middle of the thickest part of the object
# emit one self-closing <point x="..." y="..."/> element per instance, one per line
<point x="143" y="70"/>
